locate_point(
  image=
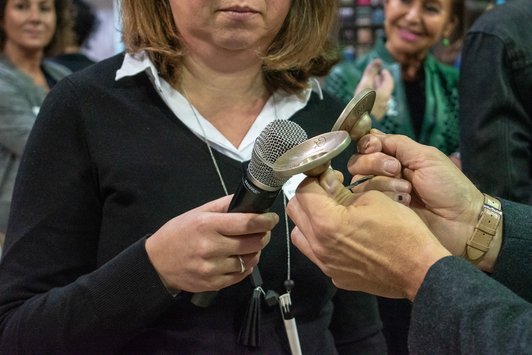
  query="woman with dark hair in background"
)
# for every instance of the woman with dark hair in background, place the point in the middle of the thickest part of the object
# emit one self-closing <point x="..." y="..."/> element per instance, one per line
<point x="85" y="24"/>
<point x="30" y="30"/>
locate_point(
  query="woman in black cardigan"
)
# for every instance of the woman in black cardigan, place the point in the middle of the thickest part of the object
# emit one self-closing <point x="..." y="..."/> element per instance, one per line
<point x="119" y="214"/>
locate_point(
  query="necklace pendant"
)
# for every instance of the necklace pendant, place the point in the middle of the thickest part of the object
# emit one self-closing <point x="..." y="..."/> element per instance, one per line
<point x="285" y="302"/>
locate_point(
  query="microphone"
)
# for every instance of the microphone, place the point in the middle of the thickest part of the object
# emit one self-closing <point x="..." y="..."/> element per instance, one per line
<point x="260" y="185"/>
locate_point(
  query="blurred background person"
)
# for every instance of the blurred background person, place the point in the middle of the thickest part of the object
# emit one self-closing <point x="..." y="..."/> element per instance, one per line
<point x="30" y="30"/>
<point x="496" y="109"/>
<point x="424" y="100"/>
<point x="120" y="207"/>
<point x="85" y="25"/>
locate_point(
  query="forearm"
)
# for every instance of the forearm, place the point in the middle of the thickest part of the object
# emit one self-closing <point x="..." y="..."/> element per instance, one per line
<point x="106" y="307"/>
<point x="513" y="267"/>
<point x="458" y="309"/>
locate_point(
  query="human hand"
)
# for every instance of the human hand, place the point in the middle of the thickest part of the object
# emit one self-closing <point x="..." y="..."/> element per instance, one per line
<point x="441" y="194"/>
<point x="198" y="250"/>
<point x="380" y="80"/>
<point x="368" y="243"/>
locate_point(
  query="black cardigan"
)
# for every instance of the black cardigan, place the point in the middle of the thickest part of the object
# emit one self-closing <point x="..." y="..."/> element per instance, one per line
<point x="108" y="163"/>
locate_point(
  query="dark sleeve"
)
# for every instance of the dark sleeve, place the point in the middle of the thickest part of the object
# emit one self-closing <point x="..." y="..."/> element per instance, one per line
<point x="495" y="121"/>
<point x="514" y="263"/>
<point x="460" y="310"/>
<point x="54" y="298"/>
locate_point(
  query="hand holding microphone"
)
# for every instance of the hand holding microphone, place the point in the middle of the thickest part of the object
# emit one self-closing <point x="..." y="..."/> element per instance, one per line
<point x="261" y="185"/>
<point x="196" y="250"/>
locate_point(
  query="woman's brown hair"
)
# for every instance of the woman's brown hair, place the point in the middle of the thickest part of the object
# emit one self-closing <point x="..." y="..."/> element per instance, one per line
<point x="63" y="32"/>
<point x="304" y="46"/>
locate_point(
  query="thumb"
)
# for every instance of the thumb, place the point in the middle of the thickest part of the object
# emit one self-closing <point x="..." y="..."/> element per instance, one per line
<point x="218" y="205"/>
<point x="373" y="68"/>
<point x="331" y="183"/>
<point x="386" y="83"/>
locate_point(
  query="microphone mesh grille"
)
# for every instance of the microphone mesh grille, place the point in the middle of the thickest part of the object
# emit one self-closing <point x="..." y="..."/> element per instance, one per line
<point x="277" y="137"/>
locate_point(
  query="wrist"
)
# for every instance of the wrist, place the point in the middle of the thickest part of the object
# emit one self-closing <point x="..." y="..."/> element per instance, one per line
<point x="430" y="256"/>
<point x="151" y="252"/>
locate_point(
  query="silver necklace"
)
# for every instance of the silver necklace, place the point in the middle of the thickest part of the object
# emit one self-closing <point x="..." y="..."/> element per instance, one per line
<point x="204" y="137"/>
<point x="222" y="182"/>
<point x="284" y="300"/>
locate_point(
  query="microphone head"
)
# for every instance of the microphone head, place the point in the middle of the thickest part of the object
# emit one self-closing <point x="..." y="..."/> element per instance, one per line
<point x="277" y="137"/>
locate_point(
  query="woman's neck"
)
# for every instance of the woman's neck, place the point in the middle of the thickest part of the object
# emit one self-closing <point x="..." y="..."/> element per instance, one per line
<point x="230" y="100"/>
<point x="411" y="64"/>
<point x="28" y="62"/>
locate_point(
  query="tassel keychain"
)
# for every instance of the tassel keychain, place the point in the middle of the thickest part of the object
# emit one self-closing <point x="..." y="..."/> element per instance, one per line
<point x="250" y="331"/>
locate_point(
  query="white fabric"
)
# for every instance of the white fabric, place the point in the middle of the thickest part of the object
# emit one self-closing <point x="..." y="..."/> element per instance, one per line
<point x="286" y="106"/>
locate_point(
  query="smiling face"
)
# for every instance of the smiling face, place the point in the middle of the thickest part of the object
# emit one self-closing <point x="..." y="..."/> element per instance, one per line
<point x="414" y="26"/>
<point x="29" y="25"/>
<point x="229" y="24"/>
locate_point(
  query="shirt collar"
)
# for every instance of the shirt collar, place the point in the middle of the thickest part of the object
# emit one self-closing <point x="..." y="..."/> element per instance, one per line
<point x="280" y="105"/>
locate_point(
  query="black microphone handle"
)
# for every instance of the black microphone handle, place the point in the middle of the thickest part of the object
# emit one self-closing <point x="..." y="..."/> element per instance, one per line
<point x="247" y="198"/>
<point x="250" y="198"/>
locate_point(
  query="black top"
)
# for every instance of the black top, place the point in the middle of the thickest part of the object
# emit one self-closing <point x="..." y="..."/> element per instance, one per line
<point x="73" y="61"/>
<point x="495" y="102"/>
<point x="108" y="163"/>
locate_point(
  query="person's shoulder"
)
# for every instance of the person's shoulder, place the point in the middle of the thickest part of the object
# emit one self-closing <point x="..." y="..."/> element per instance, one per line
<point x="504" y="19"/>
<point x="7" y="71"/>
<point x="449" y="72"/>
<point x="55" y="70"/>
<point x="11" y="79"/>
<point x="345" y="68"/>
<point x="100" y="73"/>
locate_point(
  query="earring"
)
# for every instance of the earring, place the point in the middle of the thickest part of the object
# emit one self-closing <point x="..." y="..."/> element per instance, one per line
<point x="445" y="42"/>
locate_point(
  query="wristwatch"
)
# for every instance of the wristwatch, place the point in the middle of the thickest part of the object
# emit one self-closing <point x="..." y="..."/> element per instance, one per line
<point x="489" y="219"/>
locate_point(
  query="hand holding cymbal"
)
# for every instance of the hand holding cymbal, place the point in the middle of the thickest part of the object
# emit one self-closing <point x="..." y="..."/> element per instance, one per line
<point x="313" y="156"/>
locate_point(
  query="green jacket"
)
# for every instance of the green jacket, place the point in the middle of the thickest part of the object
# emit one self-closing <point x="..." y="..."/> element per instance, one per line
<point x="440" y="123"/>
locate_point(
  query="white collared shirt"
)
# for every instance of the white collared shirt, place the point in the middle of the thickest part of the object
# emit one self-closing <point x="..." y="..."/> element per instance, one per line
<point x="279" y="106"/>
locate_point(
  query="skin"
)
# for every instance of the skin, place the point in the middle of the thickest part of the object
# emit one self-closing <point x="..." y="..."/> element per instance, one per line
<point x="222" y="75"/>
<point x="29" y="26"/>
<point x="377" y="78"/>
<point x="349" y="238"/>
<point x="412" y="27"/>
<point x="198" y="250"/>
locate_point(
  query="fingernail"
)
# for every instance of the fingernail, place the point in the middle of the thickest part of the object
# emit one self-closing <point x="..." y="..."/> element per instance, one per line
<point x="403" y="198"/>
